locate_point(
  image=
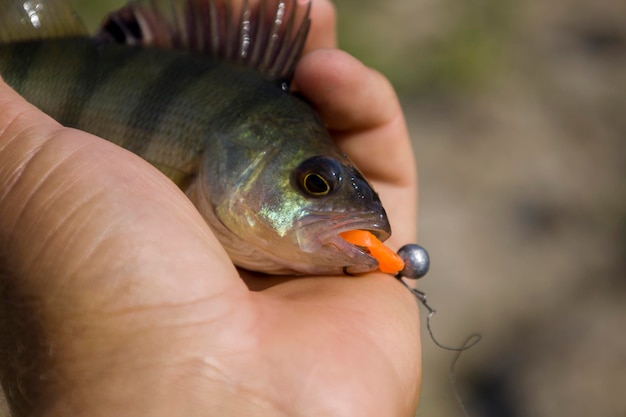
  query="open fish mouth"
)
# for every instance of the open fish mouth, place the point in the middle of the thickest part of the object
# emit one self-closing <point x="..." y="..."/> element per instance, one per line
<point x="320" y="233"/>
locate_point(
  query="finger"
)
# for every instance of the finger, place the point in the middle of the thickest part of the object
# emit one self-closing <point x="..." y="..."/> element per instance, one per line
<point x="348" y="95"/>
<point x="323" y="31"/>
<point x="360" y="106"/>
<point x="366" y="317"/>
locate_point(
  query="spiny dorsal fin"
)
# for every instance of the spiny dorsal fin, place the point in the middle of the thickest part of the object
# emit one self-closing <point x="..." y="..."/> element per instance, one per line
<point x="268" y="35"/>
<point x="22" y="20"/>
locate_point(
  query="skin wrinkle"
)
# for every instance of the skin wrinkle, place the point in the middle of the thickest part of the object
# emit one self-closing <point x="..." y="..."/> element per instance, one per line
<point x="256" y="399"/>
<point x="197" y="366"/>
<point x="67" y="217"/>
<point x="307" y="384"/>
<point x="31" y="159"/>
<point x="14" y="171"/>
<point x="191" y="336"/>
<point x="123" y="303"/>
<point x="339" y="333"/>
<point x="76" y="218"/>
<point x="79" y="225"/>
<point x="72" y="275"/>
<point x="377" y="340"/>
<point x="191" y="364"/>
<point x="273" y="400"/>
<point x="202" y="370"/>
<point x="94" y="339"/>
<point x="14" y="121"/>
<point x="167" y="313"/>
<point x="31" y="337"/>
<point x="24" y="123"/>
<point x="14" y="176"/>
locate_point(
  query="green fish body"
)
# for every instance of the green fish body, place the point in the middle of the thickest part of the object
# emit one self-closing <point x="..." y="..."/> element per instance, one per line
<point x="204" y="98"/>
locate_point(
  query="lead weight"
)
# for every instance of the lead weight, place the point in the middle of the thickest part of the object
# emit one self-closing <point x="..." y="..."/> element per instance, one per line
<point x="416" y="261"/>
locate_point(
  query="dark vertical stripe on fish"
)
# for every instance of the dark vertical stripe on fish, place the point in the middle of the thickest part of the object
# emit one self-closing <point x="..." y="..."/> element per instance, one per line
<point x="156" y="100"/>
<point x="20" y="68"/>
<point x="88" y="80"/>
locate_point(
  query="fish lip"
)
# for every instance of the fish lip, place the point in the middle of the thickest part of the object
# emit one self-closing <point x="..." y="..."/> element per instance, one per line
<point x="326" y="230"/>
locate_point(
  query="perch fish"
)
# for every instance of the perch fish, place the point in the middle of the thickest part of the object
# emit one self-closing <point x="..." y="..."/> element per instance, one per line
<point x="200" y="89"/>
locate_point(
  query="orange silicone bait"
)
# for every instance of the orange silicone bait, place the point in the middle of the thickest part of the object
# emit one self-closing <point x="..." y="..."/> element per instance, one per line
<point x="388" y="261"/>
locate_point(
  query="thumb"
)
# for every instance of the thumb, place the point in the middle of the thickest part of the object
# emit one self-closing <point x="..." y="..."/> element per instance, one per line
<point x="96" y="248"/>
<point x="84" y="218"/>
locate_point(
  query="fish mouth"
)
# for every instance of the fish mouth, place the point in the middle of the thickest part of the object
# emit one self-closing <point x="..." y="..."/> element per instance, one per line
<point x="321" y="234"/>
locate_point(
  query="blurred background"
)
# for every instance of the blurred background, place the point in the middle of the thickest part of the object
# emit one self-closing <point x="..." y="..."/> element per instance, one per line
<point x="517" y="109"/>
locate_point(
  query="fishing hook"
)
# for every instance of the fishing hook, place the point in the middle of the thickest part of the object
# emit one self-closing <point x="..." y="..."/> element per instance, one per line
<point x="416" y="265"/>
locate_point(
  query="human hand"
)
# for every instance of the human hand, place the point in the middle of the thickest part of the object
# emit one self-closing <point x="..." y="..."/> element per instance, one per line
<point x="117" y="299"/>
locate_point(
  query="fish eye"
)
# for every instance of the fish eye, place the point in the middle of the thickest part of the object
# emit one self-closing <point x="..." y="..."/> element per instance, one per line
<point x="318" y="176"/>
<point x="315" y="184"/>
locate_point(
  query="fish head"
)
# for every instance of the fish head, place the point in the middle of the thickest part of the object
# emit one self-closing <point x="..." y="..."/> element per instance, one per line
<point x="278" y="202"/>
<point x="335" y="198"/>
